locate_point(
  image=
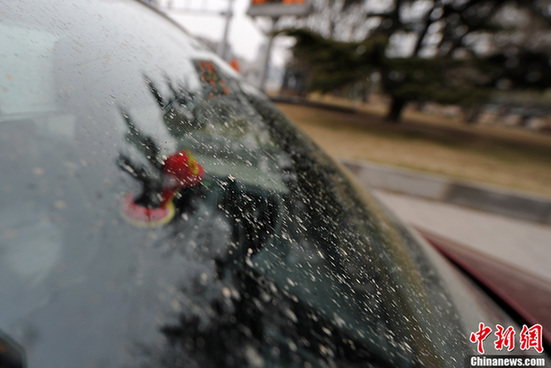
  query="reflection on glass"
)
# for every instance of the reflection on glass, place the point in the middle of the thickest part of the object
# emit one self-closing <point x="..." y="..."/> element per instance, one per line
<point x="12" y="354"/>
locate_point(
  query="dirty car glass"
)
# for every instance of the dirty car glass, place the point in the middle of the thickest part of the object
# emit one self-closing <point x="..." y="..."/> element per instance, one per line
<point x="263" y="255"/>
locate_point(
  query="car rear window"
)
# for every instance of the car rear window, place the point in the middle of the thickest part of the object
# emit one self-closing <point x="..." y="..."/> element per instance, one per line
<point x="271" y="258"/>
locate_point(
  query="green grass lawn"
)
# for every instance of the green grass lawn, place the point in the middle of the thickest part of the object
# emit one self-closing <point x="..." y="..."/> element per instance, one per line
<point x="504" y="156"/>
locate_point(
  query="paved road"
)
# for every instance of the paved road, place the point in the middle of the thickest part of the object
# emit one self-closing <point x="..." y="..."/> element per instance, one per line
<point x="524" y="244"/>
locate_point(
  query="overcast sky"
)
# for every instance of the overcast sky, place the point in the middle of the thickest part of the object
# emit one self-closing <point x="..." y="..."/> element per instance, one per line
<point x="201" y="17"/>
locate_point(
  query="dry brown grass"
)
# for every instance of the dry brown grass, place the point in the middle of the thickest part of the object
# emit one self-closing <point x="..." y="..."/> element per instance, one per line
<point x="508" y="157"/>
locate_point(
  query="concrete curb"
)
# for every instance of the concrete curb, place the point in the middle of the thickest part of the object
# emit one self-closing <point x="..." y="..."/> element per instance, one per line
<point x="304" y="102"/>
<point x="515" y="204"/>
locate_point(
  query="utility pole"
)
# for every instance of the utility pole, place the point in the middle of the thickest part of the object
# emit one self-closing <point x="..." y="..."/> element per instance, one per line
<point x="274" y="10"/>
<point x="228" y="14"/>
<point x="268" y="54"/>
<point x="222" y="46"/>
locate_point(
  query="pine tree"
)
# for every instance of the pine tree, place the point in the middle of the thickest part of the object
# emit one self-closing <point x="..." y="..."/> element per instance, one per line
<point x="459" y="51"/>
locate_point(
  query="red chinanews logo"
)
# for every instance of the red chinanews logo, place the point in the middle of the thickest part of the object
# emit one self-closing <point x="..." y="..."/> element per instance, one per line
<point x="530" y="337"/>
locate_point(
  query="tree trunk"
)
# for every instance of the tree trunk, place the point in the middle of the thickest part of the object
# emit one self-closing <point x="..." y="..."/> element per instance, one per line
<point x="471" y="114"/>
<point x="396" y="107"/>
<point x="426" y="25"/>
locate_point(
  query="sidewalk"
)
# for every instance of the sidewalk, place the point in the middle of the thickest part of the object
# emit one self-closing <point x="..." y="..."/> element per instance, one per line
<point x="524" y="244"/>
<point x="487" y="198"/>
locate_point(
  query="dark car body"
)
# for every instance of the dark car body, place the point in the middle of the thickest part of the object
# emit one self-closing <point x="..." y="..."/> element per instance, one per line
<point x="257" y="250"/>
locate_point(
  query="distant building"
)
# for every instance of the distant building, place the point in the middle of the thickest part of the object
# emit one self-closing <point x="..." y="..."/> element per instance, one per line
<point x="293" y="82"/>
<point x="252" y="71"/>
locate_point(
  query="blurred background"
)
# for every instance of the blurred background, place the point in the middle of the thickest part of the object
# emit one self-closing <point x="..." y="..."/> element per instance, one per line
<point x="442" y="106"/>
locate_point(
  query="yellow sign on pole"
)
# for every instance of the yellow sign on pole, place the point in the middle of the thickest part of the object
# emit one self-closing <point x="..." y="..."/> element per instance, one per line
<point x="278" y="8"/>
